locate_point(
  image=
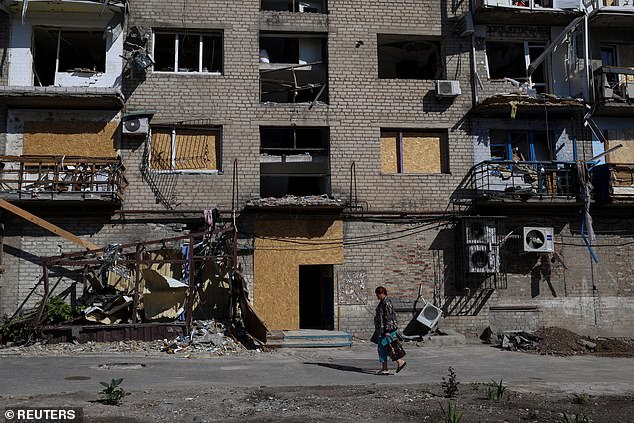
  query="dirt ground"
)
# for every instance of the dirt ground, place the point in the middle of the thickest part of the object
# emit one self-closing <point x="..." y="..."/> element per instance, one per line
<point x="393" y="403"/>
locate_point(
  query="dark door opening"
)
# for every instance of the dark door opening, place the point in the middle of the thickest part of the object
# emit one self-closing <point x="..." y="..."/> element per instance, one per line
<point x="316" y="297"/>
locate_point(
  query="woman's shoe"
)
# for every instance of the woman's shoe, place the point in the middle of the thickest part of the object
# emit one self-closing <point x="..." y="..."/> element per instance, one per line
<point x="399" y="368"/>
<point x="383" y="372"/>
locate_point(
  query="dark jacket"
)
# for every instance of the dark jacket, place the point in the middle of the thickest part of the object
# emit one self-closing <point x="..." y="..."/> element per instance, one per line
<point x="385" y="318"/>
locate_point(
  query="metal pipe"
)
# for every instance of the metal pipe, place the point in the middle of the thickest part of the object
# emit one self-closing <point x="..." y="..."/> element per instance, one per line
<point x="192" y="285"/>
<point x="137" y="281"/>
<point x="590" y="91"/>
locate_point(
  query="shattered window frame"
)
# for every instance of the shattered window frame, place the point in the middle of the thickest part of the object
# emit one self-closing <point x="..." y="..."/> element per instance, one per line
<point x="174" y="132"/>
<point x="536" y="143"/>
<point x="60" y="46"/>
<point x="411" y="133"/>
<point x="295" y="6"/>
<point x="425" y="70"/>
<point x="529" y="54"/>
<point x="216" y="56"/>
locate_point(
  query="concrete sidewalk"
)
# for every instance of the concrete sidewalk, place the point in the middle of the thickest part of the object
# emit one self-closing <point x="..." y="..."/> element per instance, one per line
<point x="309" y="367"/>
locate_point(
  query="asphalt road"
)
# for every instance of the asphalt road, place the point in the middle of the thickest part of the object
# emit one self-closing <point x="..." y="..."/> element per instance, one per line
<point x="21" y="375"/>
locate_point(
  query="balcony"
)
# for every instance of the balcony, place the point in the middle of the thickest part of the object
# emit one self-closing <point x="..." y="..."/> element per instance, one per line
<point x="614" y="90"/>
<point x="37" y="178"/>
<point x="613" y="183"/>
<point x="546" y="12"/>
<point x="526" y="181"/>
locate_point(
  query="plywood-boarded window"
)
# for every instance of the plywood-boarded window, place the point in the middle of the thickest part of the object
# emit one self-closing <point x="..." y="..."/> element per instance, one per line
<point x="625" y="154"/>
<point x="413" y="151"/>
<point x="176" y="149"/>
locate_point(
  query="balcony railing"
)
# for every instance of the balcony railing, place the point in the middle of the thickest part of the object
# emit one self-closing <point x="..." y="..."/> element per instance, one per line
<point x="542" y="5"/>
<point x="614" y="84"/>
<point x="627" y="5"/>
<point x="501" y="180"/>
<point x="58" y="178"/>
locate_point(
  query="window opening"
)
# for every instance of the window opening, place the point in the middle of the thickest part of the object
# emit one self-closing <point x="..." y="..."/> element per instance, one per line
<point x="411" y="151"/>
<point x="178" y="149"/>
<point x="304" y="6"/>
<point x="185" y="52"/>
<point x="520" y="145"/>
<point x="294" y="161"/>
<point x="56" y="50"/>
<point x="508" y="59"/>
<point x="409" y="57"/>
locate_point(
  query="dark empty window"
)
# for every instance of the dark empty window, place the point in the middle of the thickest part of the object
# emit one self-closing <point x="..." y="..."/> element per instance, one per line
<point x="304" y="6"/>
<point x="509" y="59"/>
<point x="409" y="57"/>
<point x="520" y="145"/>
<point x="57" y="50"/>
<point x="185" y="52"/>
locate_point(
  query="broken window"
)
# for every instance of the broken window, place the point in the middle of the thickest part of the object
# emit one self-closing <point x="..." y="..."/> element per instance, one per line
<point x="293" y="68"/>
<point x="305" y="6"/>
<point x="186" y="52"/>
<point x="56" y="50"/>
<point x="409" y="57"/>
<point x="510" y="59"/>
<point x="520" y="145"/>
<point x="294" y="160"/>
<point x="413" y="151"/>
<point x="178" y="149"/>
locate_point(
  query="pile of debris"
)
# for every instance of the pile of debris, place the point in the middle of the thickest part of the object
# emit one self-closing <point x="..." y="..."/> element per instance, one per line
<point x="292" y="200"/>
<point x="206" y="336"/>
<point x="559" y="341"/>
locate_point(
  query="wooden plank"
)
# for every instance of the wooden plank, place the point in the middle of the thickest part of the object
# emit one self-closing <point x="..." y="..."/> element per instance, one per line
<point x="47" y="225"/>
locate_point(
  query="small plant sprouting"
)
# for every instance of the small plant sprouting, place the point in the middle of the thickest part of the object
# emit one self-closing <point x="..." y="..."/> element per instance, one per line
<point x="453" y="414"/>
<point x="496" y="391"/>
<point x="450" y="384"/>
<point x="579" y="418"/>
<point x="583" y="399"/>
<point x="112" y="394"/>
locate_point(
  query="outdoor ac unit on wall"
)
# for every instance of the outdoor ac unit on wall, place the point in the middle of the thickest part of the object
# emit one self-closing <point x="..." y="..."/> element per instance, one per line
<point x="479" y="231"/>
<point x="538" y="240"/>
<point x="448" y="88"/>
<point x="483" y="259"/>
<point x="136" y="126"/>
<point x="429" y="315"/>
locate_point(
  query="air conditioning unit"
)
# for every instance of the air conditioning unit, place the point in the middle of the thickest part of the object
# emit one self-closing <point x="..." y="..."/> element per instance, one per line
<point x="448" y="88"/>
<point x="136" y="126"/>
<point x="479" y="231"/>
<point x="465" y="24"/>
<point x="538" y="240"/>
<point x="429" y="315"/>
<point x="483" y="259"/>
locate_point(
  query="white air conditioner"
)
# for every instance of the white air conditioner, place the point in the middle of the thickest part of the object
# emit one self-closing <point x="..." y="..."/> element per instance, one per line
<point x="483" y="259"/>
<point x="429" y="315"/>
<point x="479" y="231"/>
<point x="136" y="126"/>
<point x="538" y="240"/>
<point x="448" y="88"/>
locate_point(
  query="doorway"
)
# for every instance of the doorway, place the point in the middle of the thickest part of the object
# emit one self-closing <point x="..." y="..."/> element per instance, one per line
<point x="316" y="297"/>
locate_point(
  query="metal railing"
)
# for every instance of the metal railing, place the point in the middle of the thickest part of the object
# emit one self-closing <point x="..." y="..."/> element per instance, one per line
<point x="534" y="4"/>
<point x="614" y="83"/>
<point x="499" y="179"/>
<point x="56" y="177"/>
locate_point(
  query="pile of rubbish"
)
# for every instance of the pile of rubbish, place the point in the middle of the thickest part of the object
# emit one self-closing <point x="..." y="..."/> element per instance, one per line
<point x="206" y="336"/>
<point x="559" y="341"/>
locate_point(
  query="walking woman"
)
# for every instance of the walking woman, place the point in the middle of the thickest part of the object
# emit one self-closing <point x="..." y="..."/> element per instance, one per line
<point x="385" y="326"/>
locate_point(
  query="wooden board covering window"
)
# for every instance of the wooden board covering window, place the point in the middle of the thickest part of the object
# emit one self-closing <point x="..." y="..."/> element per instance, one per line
<point x="281" y="246"/>
<point x="389" y="152"/>
<point x="422" y="153"/>
<point x="624" y="154"/>
<point x="196" y="149"/>
<point x="70" y="138"/>
<point x="161" y="157"/>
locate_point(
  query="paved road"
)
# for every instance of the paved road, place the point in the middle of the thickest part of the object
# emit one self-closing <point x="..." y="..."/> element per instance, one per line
<point x="307" y="367"/>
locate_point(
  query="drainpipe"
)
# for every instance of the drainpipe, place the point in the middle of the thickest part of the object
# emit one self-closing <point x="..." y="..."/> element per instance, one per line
<point x="589" y="84"/>
<point x="474" y="67"/>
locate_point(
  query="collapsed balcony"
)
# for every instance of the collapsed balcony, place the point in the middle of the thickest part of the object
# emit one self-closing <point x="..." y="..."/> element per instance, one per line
<point x="614" y="88"/>
<point x="28" y="178"/>
<point x="507" y="180"/>
<point x="543" y="12"/>
<point x="613" y="182"/>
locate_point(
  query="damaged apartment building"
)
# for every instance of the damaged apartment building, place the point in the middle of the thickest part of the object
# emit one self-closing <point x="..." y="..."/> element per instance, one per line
<point x="473" y="158"/>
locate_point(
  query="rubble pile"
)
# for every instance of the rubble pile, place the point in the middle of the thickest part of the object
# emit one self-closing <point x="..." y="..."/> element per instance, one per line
<point x="67" y="348"/>
<point x="292" y="200"/>
<point x="559" y="341"/>
<point x="206" y="336"/>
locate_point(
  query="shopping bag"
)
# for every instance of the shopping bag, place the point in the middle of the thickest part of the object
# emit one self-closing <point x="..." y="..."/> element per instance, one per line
<point x="395" y="349"/>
